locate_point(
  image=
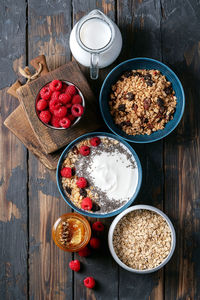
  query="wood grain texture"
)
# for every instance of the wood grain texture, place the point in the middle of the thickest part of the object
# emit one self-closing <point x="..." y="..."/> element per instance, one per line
<point x="13" y="165"/>
<point x="182" y="165"/>
<point x="139" y="22"/>
<point x="49" y="277"/>
<point x="18" y="122"/>
<point x="26" y="135"/>
<point x="101" y="264"/>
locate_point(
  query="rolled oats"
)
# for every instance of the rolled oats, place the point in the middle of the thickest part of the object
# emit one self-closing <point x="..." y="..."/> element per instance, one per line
<point x="142" y="239"/>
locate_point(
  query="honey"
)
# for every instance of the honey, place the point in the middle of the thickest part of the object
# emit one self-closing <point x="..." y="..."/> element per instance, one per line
<point x="71" y="232"/>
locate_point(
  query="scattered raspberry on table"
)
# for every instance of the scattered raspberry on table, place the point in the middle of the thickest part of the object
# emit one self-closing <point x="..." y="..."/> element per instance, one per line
<point x="95" y="243"/>
<point x="84" y="252"/>
<point x="89" y="282"/>
<point x="75" y="265"/>
<point x="98" y="226"/>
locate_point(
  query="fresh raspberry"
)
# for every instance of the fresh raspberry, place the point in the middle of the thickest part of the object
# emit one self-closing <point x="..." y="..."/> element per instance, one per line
<point x="65" y="122"/>
<point x="65" y="98"/>
<point x="54" y="105"/>
<point x="71" y="90"/>
<point x="95" y="141"/>
<point x="55" y="121"/>
<point x="71" y="117"/>
<point x="45" y="93"/>
<point x="98" y="226"/>
<point x="95" y="243"/>
<point x="81" y="182"/>
<point x="41" y="104"/>
<point x="89" y="282"/>
<point x="75" y="265"/>
<point x="60" y="112"/>
<point x="84" y="150"/>
<point x="45" y="116"/>
<point x="84" y="252"/>
<point x="86" y="203"/>
<point x="55" y="85"/>
<point x="77" y="99"/>
<point x="66" y="172"/>
<point x="64" y="86"/>
<point x="55" y="96"/>
<point x="77" y="110"/>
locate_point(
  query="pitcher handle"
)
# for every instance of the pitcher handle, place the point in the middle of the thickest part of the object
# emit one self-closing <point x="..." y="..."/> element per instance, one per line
<point x="94" y="66"/>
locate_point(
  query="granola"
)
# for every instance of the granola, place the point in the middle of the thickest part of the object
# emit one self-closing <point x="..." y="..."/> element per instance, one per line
<point x="142" y="102"/>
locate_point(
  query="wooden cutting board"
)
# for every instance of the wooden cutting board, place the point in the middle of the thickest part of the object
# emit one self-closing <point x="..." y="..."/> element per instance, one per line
<point x="51" y="139"/>
<point x="19" y="124"/>
<point x="27" y="136"/>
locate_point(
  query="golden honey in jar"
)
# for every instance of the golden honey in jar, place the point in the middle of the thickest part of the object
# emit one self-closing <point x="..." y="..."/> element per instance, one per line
<point x="71" y="232"/>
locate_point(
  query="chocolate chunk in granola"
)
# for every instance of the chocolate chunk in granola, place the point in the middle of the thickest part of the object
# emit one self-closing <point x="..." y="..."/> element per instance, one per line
<point x="73" y="171"/>
<point x="147" y="77"/>
<point x="149" y="82"/>
<point x="95" y="206"/>
<point x="83" y="192"/>
<point x="121" y="79"/>
<point x="75" y="150"/>
<point x="147" y="103"/>
<point x="128" y="74"/>
<point x="137" y="74"/>
<point x="125" y="123"/>
<point x="150" y="126"/>
<point x="162" y="109"/>
<point x="130" y="96"/>
<point x="68" y="190"/>
<point x="134" y="107"/>
<point x="160" y="102"/>
<point x="168" y="90"/>
<point x="121" y="107"/>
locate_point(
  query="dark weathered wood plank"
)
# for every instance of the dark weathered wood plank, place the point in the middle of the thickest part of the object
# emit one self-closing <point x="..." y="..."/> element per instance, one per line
<point x="139" y="22"/>
<point x="99" y="265"/>
<point x="181" y="36"/>
<point x="50" y="278"/>
<point x="13" y="171"/>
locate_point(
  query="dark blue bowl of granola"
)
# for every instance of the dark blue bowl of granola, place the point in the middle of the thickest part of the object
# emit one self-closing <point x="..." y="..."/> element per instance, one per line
<point x="142" y="100"/>
<point x="111" y="170"/>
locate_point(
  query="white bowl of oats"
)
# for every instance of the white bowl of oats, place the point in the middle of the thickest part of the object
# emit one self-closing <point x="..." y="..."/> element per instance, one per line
<point x="142" y="239"/>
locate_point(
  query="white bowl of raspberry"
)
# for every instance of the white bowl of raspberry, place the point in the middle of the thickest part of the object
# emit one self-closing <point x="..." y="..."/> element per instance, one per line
<point x="60" y="104"/>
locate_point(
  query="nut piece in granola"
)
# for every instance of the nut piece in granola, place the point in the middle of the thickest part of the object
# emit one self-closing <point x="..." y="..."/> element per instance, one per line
<point x="142" y="102"/>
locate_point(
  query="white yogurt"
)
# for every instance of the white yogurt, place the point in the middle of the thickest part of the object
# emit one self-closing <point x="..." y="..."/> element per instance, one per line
<point x="114" y="175"/>
<point x="95" y="33"/>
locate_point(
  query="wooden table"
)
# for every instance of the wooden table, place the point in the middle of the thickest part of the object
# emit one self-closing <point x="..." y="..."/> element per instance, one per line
<point x="31" y="266"/>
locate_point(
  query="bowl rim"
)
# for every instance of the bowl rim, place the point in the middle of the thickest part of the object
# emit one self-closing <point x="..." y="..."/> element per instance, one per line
<point x="77" y="120"/>
<point x="128" y="203"/>
<point x="119" y="217"/>
<point x="168" y="69"/>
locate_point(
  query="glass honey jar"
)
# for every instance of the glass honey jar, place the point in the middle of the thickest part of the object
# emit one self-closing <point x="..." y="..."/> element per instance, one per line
<point x="71" y="232"/>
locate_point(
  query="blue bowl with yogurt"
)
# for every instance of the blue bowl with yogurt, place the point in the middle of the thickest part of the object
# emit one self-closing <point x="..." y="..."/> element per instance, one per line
<point x="115" y="174"/>
<point x="148" y="64"/>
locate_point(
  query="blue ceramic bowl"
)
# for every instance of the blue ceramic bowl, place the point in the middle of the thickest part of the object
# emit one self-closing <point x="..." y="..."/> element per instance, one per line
<point x="141" y="63"/>
<point x="61" y="190"/>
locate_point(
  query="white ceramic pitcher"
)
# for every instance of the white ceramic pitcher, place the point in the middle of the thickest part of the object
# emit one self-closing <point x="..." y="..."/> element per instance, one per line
<point x="95" y="41"/>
